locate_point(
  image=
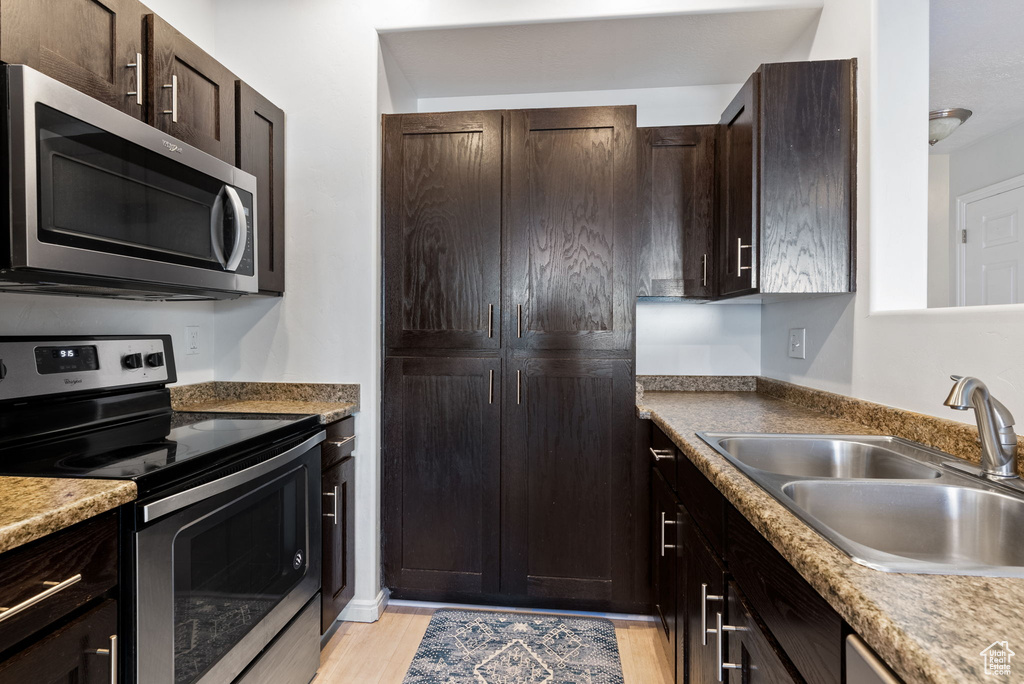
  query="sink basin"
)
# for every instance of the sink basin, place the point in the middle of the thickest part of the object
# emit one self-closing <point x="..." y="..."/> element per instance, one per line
<point x="823" y="457"/>
<point x="926" y="527"/>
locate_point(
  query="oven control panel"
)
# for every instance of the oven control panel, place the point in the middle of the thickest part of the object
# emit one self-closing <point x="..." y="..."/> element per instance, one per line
<point x="53" y="366"/>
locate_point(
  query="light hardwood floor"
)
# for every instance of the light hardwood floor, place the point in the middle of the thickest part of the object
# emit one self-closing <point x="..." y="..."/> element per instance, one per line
<point x="381" y="652"/>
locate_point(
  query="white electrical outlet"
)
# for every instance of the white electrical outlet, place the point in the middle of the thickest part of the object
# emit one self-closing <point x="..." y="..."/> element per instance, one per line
<point x="191" y="340"/>
<point x="798" y="343"/>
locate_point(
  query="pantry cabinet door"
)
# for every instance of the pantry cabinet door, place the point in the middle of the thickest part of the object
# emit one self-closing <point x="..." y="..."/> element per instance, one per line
<point x="570" y="223"/>
<point x="442" y="230"/>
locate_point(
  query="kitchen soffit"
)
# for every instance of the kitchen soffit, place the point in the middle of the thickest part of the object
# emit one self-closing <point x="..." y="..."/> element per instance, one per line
<point x="607" y="54"/>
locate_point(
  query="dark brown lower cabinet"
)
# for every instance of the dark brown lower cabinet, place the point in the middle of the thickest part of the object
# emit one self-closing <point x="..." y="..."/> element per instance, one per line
<point x="566" y="478"/>
<point x="752" y="659"/>
<point x="77" y="653"/>
<point x="441" y="478"/>
<point x="665" y="572"/>
<point x="701" y="588"/>
<point x="338" y="535"/>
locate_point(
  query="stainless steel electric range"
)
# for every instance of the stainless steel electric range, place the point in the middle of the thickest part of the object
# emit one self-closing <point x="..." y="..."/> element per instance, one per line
<point x="220" y="553"/>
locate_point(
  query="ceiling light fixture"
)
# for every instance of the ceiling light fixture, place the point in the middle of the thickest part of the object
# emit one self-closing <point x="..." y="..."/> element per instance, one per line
<point x="942" y="122"/>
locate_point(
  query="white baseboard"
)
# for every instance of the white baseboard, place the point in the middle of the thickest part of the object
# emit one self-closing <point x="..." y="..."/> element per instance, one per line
<point x="366" y="610"/>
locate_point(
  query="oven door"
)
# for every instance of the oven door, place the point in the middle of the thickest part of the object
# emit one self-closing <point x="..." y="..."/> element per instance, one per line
<point x="95" y="192"/>
<point x="222" y="568"/>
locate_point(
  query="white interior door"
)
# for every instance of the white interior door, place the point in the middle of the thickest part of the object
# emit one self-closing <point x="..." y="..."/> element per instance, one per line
<point x="992" y="252"/>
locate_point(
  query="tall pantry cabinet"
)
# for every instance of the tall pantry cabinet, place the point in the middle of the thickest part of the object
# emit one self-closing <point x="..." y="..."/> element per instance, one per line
<point x="509" y="369"/>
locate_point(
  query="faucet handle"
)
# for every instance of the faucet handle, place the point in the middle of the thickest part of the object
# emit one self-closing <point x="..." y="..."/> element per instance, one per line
<point x="956" y="378"/>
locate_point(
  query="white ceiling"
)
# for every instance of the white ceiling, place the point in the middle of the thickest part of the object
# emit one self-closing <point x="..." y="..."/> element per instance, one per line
<point x="611" y="54"/>
<point x="977" y="62"/>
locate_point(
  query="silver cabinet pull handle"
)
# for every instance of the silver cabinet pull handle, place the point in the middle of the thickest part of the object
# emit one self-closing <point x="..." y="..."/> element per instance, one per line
<point x="665" y="522"/>
<point x="739" y="256"/>
<point x="490" y="386"/>
<point x="490" y="320"/>
<point x="334" y="507"/>
<point x="519" y="320"/>
<point x="173" y="111"/>
<point x="55" y="587"/>
<point x="519" y="390"/>
<point x="332" y="443"/>
<point x="704" y="278"/>
<point x="661" y="454"/>
<point x="704" y="598"/>
<point x="112" y="652"/>
<point x="137" y="65"/>
<point x="722" y="665"/>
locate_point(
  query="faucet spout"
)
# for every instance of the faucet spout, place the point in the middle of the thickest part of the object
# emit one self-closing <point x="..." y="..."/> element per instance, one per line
<point x="995" y="425"/>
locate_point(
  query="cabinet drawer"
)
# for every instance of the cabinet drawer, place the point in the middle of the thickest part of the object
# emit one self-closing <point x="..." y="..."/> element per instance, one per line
<point x="82" y="651"/>
<point x="704" y="502"/>
<point x="802" y="622"/>
<point x="752" y="657"/>
<point x="341" y="441"/>
<point x="663" y="454"/>
<point x="87" y="550"/>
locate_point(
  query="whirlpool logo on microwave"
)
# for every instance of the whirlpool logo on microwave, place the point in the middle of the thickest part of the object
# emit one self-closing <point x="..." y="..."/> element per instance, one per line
<point x="72" y="381"/>
<point x="172" y="147"/>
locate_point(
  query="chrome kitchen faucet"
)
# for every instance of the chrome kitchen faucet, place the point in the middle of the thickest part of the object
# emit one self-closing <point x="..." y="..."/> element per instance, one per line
<point x="995" y="425"/>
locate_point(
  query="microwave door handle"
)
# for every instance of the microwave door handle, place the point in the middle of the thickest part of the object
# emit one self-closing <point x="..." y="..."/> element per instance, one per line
<point x="217" y="227"/>
<point x="240" y="233"/>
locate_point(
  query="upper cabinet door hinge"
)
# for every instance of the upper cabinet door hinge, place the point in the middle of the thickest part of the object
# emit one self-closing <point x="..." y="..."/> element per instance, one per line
<point x="963" y="236"/>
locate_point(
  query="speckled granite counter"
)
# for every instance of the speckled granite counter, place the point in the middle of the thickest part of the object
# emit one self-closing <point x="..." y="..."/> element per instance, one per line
<point x="928" y="628"/>
<point x="33" y="507"/>
<point x="330" y="402"/>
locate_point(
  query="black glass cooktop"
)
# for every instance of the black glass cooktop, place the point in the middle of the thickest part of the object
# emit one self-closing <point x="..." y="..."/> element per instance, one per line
<point x="156" y="451"/>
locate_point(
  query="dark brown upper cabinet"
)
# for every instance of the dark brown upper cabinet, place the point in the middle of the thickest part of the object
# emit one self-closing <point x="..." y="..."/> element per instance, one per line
<point x="787" y="181"/>
<point x="441" y="478"/>
<point x="566" y="482"/>
<point x="192" y="95"/>
<point x="570" y="194"/>
<point x="260" y="151"/>
<point x="94" y="46"/>
<point x="677" y="211"/>
<point x="442" y="230"/>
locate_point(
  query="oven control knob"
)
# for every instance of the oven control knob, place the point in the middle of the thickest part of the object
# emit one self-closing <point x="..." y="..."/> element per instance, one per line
<point x="297" y="561"/>
<point x="155" y="360"/>
<point x="132" y="361"/>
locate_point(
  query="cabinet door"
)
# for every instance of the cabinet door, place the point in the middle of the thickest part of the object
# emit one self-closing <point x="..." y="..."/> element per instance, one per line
<point x="338" y="536"/>
<point x="702" y="599"/>
<point x="260" y="151"/>
<point x="91" y="45"/>
<point x="738" y="177"/>
<point x="442" y="230"/>
<point x="753" y="658"/>
<point x="69" y="654"/>
<point x="571" y="197"/>
<point x="677" y="211"/>
<point x="192" y="95"/>
<point x="566" y="482"/>
<point x="665" y="565"/>
<point x="442" y="426"/>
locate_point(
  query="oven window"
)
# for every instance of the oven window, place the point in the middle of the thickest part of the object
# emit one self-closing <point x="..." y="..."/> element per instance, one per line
<point x="100" y="192"/>
<point x="232" y="568"/>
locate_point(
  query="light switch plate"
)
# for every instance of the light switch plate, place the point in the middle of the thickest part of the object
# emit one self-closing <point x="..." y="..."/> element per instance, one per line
<point x="798" y="343"/>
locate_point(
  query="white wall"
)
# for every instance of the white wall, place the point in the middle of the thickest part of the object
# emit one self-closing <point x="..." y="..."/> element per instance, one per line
<point x="683" y="106"/>
<point x="682" y="338"/>
<point x="940" y="234"/>
<point x="48" y="315"/>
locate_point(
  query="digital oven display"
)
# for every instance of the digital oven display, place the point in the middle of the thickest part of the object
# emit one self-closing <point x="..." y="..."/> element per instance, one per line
<point x="66" y="359"/>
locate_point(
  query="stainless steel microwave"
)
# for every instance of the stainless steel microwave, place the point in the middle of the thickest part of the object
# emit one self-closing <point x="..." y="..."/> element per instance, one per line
<point x="101" y="204"/>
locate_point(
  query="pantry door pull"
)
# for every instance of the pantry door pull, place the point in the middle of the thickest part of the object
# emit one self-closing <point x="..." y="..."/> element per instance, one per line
<point x="519" y="392"/>
<point x="490" y="386"/>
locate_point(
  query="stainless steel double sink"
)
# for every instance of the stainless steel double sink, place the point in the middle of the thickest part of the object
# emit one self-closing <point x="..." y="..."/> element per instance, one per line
<point x="888" y="503"/>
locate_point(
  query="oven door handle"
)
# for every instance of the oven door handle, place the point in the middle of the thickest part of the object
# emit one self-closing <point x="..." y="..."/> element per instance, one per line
<point x="231" y="261"/>
<point x="176" y="502"/>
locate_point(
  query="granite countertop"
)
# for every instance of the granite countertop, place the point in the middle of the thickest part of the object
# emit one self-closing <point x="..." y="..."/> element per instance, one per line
<point x="327" y="411"/>
<point x="928" y="628"/>
<point x="33" y="507"/>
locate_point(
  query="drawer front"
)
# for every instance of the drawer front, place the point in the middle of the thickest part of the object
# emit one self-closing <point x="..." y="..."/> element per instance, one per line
<point x="704" y="502"/>
<point x="663" y="454"/>
<point x="341" y="442"/>
<point x="802" y="622"/>
<point x="88" y="550"/>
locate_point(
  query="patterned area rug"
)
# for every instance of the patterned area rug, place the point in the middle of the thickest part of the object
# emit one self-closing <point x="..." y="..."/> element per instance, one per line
<point x="478" y="647"/>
